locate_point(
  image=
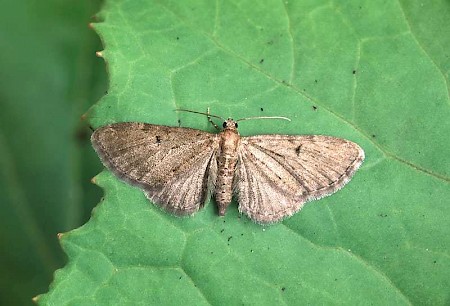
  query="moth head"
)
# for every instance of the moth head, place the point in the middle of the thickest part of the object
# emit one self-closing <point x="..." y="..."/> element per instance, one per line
<point x="230" y="124"/>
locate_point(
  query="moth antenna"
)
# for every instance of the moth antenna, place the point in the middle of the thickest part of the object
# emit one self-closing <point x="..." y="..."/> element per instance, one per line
<point x="201" y="113"/>
<point x="264" y="117"/>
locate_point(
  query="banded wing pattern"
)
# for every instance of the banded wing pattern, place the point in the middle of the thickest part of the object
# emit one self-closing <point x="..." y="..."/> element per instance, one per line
<point x="277" y="174"/>
<point x="171" y="164"/>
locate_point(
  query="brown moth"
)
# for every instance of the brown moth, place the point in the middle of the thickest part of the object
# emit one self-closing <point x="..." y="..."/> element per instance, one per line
<point x="272" y="176"/>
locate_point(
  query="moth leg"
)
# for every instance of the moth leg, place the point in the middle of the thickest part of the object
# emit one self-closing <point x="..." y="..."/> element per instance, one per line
<point x="210" y="120"/>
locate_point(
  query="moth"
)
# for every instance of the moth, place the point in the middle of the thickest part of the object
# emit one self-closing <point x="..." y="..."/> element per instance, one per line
<point x="271" y="176"/>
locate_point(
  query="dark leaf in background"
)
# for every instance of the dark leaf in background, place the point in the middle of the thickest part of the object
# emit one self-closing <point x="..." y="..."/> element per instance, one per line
<point x="49" y="76"/>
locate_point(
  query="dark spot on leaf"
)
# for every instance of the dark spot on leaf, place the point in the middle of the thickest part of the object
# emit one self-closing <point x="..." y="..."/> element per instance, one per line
<point x="434" y="261"/>
<point x="373" y="135"/>
<point x="314" y="107"/>
<point x="354" y="71"/>
<point x="283" y="288"/>
<point x="383" y="215"/>
<point x="178" y="38"/>
<point x="261" y="61"/>
<point x="315" y="81"/>
<point x="262" y="109"/>
<point x="229" y="238"/>
<point x="180" y="277"/>
<point x="179" y="122"/>
<point x="222" y="230"/>
<point x="270" y="42"/>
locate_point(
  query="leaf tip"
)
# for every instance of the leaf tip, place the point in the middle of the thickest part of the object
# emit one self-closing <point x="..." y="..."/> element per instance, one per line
<point x="36" y="298"/>
<point x="83" y="117"/>
<point x="99" y="54"/>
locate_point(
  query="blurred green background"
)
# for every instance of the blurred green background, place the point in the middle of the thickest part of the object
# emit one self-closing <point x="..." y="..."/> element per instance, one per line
<point x="49" y="77"/>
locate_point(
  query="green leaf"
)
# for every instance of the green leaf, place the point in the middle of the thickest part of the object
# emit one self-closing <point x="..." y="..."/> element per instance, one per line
<point x="372" y="72"/>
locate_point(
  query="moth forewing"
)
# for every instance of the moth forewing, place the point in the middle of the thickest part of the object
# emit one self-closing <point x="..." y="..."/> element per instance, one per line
<point x="282" y="172"/>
